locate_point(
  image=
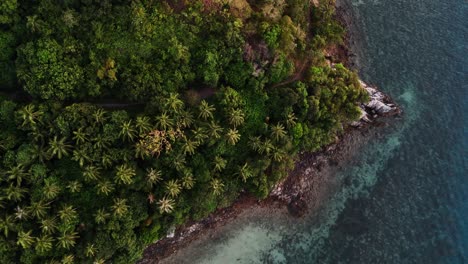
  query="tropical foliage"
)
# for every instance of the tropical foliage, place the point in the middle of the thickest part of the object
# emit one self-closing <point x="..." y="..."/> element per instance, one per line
<point x="202" y="107"/>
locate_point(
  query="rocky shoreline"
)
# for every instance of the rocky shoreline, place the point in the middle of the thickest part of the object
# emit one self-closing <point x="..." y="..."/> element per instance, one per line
<point x="304" y="189"/>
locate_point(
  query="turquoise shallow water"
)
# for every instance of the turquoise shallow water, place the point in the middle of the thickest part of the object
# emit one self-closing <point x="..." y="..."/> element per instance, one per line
<point x="404" y="198"/>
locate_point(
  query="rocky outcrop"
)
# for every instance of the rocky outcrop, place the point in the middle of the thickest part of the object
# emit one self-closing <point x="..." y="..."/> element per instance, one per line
<point x="379" y="105"/>
<point x="304" y="180"/>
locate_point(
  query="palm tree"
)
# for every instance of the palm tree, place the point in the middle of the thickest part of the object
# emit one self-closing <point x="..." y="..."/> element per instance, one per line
<point x="67" y="239"/>
<point x="189" y="147"/>
<point x="127" y="131"/>
<point x="32" y="22"/>
<point x="20" y="213"/>
<point x="232" y="136"/>
<point x="17" y="173"/>
<point x="219" y="163"/>
<point x="178" y="162"/>
<point x="40" y="153"/>
<point x="266" y="147"/>
<point x="278" y="132"/>
<point x="15" y="193"/>
<point x="105" y="187"/>
<point x="278" y="154"/>
<point x="44" y="243"/>
<point x="174" y="103"/>
<point x="153" y="177"/>
<point x="141" y="152"/>
<point x="101" y="216"/>
<point x="199" y="134"/>
<point x="205" y="110"/>
<point x="68" y="214"/>
<point x="80" y="136"/>
<point x="91" y="173"/>
<point x="187" y="180"/>
<point x="106" y="160"/>
<point x="214" y="130"/>
<point x="166" y="205"/>
<point x="99" y="261"/>
<point x="90" y="250"/>
<point x="142" y="123"/>
<point x="164" y="122"/>
<point x="236" y="117"/>
<point x="120" y="207"/>
<point x="74" y="186"/>
<point x="244" y="172"/>
<point x="101" y="142"/>
<point x="173" y="188"/>
<point x="58" y="147"/>
<point x="25" y="239"/>
<point x="37" y="136"/>
<point x="81" y="156"/>
<point x="256" y="143"/>
<point x="30" y="116"/>
<point x="38" y="209"/>
<point x="68" y="259"/>
<point x="51" y="189"/>
<point x="185" y="119"/>
<point x="217" y="185"/>
<point x="99" y="116"/>
<point x="7" y="224"/>
<point x="48" y="225"/>
<point x="125" y="174"/>
<point x="291" y="120"/>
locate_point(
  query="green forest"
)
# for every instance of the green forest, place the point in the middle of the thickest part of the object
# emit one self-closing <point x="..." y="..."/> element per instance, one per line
<point x="121" y="119"/>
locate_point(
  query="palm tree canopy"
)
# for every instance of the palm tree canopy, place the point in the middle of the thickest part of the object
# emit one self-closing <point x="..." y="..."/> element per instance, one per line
<point x="236" y="117"/>
<point x="125" y="174"/>
<point x="58" y="147"/>
<point x="173" y="188"/>
<point x="205" y="110"/>
<point x="120" y="207"/>
<point x="278" y="132"/>
<point x="164" y="122"/>
<point x="143" y="124"/>
<point x="166" y="205"/>
<point x="219" y="163"/>
<point x="233" y="136"/>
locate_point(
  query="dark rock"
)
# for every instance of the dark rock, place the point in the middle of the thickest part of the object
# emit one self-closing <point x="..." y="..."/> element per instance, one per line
<point x="298" y="206"/>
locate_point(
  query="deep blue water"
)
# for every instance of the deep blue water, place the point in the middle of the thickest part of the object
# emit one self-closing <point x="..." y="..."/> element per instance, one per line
<point x="404" y="198"/>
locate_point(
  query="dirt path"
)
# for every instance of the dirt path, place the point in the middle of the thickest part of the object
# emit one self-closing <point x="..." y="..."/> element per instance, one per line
<point x="299" y="75"/>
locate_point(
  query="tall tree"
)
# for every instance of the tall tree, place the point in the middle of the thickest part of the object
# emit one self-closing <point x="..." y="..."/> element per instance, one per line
<point x="67" y="239"/>
<point x="166" y="205"/>
<point x="143" y="124"/>
<point x="219" y="163"/>
<point x="125" y="174"/>
<point x="278" y="132"/>
<point x="173" y="188"/>
<point x="174" y="103"/>
<point x="30" y="116"/>
<point x="232" y="136"/>
<point x="164" y="122"/>
<point x="58" y="147"/>
<point x="120" y="207"/>
<point x="236" y="117"/>
<point x="25" y="239"/>
<point x="217" y="186"/>
<point x="127" y="131"/>
<point x="205" y="110"/>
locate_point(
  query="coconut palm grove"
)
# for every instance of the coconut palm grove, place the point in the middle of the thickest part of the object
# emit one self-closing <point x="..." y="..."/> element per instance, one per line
<point x="123" y="119"/>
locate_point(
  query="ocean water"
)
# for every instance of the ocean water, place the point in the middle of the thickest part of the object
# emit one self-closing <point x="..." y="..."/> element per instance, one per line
<point x="404" y="198"/>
